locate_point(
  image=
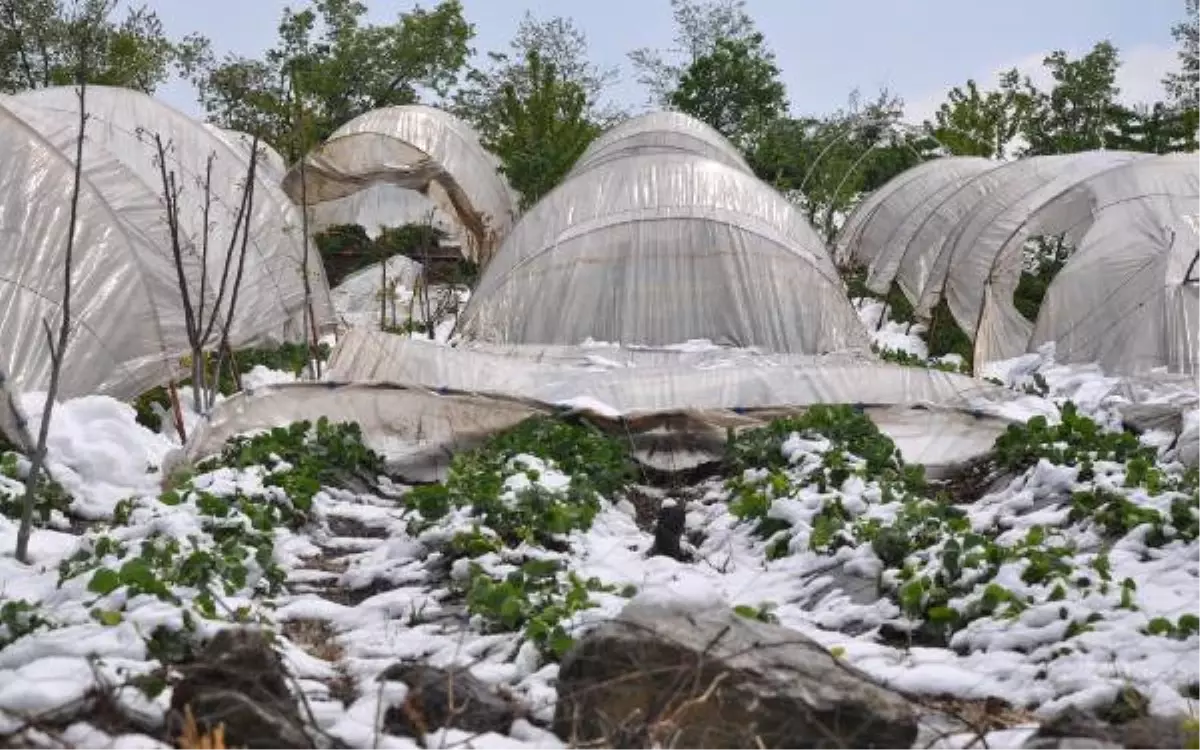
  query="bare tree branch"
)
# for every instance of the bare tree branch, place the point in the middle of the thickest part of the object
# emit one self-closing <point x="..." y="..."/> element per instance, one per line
<point x="242" y="223"/>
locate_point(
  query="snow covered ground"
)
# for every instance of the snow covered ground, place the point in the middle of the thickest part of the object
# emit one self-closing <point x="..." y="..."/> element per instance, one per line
<point x="1071" y="580"/>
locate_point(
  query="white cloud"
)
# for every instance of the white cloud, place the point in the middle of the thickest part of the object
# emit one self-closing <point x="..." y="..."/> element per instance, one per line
<point x="1139" y="78"/>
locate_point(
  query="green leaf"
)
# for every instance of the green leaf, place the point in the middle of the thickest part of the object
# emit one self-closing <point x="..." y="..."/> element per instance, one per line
<point x="109" y="617"/>
<point x="104" y="581"/>
<point x="942" y="615"/>
<point x="560" y="642"/>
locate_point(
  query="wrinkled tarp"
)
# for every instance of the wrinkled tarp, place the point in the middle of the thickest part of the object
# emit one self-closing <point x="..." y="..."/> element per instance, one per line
<point x="123" y="123"/>
<point x="987" y="246"/>
<point x="1125" y="298"/>
<point x="660" y="133"/>
<point x="660" y="249"/>
<point x="417" y="148"/>
<point x="664" y="380"/>
<point x="385" y="206"/>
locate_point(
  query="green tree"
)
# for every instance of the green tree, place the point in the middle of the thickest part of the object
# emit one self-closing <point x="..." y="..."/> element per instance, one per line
<point x="1081" y="110"/>
<point x="735" y="88"/>
<point x="557" y="42"/>
<point x="540" y="130"/>
<point x="825" y="164"/>
<point x="1159" y="129"/>
<point x="332" y="67"/>
<point x="698" y="28"/>
<point x="41" y="40"/>
<point x="1183" y="87"/>
<point x="985" y="123"/>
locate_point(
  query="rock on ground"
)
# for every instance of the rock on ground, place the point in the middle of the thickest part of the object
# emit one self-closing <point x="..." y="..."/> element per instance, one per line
<point x="1076" y="729"/>
<point x="445" y="699"/>
<point x="710" y="678"/>
<point x="239" y="682"/>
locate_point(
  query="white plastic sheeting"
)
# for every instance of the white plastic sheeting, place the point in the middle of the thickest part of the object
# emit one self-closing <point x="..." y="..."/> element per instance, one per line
<point x="659" y="249"/>
<point x="359" y="296"/>
<point x="662" y="380"/>
<point x="957" y="232"/>
<point x="663" y="132"/>
<point x="981" y="268"/>
<point x="420" y="149"/>
<point x="270" y="161"/>
<point x="1128" y="298"/>
<point x="383" y="205"/>
<point x="125" y="298"/>
<point x="866" y="232"/>
<point x="123" y="124"/>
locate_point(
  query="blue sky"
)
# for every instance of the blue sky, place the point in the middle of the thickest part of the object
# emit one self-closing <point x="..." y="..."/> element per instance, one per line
<point x="916" y="48"/>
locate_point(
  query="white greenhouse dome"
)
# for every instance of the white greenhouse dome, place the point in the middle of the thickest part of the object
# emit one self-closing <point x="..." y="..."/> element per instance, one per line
<point x="662" y="249"/>
<point x="663" y="132"/>
<point x="271" y="162"/>
<point x="128" y="317"/>
<point x="123" y="124"/>
<point x="957" y="232"/>
<point x="125" y="330"/>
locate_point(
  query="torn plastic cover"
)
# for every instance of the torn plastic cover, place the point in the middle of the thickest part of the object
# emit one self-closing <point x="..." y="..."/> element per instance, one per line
<point x="416" y="148"/>
<point x="1122" y="299"/>
<point x="960" y="230"/>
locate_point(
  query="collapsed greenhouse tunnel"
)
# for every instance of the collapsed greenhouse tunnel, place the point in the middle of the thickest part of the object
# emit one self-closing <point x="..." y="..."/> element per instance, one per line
<point x="425" y="400"/>
<point x="273" y="299"/>
<point x="961" y="242"/>
<point x="663" y="132"/>
<point x="413" y="148"/>
<point x="663" y="249"/>
<point x="433" y="424"/>
<point x="933" y="241"/>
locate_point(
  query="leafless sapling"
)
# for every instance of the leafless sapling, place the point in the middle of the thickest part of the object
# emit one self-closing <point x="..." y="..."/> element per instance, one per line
<point x="57" y="345"/>
<point x="199" y="321"/>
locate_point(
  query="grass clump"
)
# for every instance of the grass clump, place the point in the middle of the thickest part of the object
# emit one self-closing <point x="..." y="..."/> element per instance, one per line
<point x="588" y="463"/>
<point x="908" y="359"/>
<point x="1121" y="485"/>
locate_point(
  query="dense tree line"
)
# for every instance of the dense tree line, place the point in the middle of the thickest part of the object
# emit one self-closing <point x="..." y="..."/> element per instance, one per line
<point x="539" y="103"/>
